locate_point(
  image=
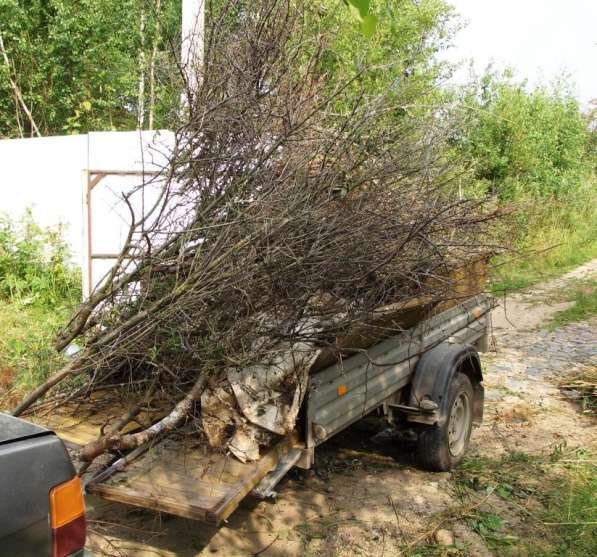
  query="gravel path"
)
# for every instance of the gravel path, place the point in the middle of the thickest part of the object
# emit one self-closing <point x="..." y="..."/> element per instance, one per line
<point x="528" y="310"/>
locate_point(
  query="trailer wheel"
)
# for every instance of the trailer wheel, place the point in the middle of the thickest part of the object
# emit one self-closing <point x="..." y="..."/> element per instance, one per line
<point x="442" y="447"/>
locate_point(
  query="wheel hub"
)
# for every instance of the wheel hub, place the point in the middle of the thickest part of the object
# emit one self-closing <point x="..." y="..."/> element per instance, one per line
<point x="458" y="426"/>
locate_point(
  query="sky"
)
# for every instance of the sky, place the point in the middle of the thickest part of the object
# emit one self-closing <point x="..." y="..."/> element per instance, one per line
<point x="540" y="39"/>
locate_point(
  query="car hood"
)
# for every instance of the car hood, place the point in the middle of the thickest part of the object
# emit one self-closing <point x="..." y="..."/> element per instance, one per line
<point x="14" y="429"/>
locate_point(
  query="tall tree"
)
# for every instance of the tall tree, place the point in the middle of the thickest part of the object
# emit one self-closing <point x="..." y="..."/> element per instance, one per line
<point x="77" y="63"/>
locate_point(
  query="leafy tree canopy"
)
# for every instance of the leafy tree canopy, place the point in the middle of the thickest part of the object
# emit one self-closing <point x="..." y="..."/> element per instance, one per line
<point x="523" y="141"/>
<point x="78" y="63"/>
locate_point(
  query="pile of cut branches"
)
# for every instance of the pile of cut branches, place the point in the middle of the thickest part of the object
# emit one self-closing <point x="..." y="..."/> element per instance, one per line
<point x="580" y="384"/>
<point x="280" y="224"/>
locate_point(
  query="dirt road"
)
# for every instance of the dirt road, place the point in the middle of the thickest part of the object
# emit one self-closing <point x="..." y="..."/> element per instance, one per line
<point x="366" y="497"/>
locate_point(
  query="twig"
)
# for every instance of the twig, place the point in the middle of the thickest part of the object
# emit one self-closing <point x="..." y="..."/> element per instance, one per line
<point x="17" y="90"/>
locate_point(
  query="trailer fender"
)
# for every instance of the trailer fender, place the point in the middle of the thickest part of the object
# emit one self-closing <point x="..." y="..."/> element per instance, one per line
<point x="434" y="372"/>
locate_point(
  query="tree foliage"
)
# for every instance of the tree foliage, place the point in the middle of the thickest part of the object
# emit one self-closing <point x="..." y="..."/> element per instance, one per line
<point x="76" y="62"/>
<point x="400" y="55"/>
<point x="523" y="142"/>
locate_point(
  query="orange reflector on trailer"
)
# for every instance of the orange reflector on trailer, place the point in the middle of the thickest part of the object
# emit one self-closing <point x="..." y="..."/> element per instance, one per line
<point x="342" y="390"/>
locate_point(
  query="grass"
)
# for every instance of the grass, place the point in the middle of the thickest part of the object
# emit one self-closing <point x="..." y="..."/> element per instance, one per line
<point x="571" y="512"/>
<point x="26" y="353"/>
<point x="584" y="296"/>
<point x="560" y="235"/>
<point x="533" y="505"/>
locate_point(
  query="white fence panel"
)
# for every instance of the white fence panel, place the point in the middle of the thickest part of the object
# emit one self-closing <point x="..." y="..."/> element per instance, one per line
<point x="52" y="175"/>
<point x="45" y="175"/>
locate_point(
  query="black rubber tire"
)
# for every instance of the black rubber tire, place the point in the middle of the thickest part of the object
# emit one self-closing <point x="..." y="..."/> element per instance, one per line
<point x="433" y="447"/>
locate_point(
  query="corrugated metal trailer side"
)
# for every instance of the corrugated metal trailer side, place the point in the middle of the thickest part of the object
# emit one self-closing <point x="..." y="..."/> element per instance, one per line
<point x="350" y="389"/>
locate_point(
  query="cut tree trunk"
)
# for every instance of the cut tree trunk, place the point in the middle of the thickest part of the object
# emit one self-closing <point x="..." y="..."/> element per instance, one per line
<point x="165" y="425"/>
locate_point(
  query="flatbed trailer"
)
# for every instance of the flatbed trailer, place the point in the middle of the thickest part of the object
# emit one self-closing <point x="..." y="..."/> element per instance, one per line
<point x="428" y="377"/>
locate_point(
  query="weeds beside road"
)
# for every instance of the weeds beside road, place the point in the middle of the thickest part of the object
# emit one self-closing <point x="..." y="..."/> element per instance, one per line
<point x="537" y="504"/>
<point x="583" y="298"/>
<point x="559" y="236"/>
<point x="38" y="290"/>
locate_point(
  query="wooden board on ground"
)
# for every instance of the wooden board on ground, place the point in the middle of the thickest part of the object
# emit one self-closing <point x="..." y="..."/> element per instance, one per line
<point x="191" y="482"/>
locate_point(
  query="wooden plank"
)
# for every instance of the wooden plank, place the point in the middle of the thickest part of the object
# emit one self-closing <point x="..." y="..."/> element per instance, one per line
<point x="89" y="284"/>
<point x="384" y="322"/>
<point x="97" y="178"/>
<point x="75" y="430"/>
<point x="185" y="482"/>
<point x="132" y="496"/>
<point x="113" y="256"/>
<point x="176" y="477"/>
<point x="459" y="284"/>
<point x="261" y="468"/>
<point x="139" y="172"/>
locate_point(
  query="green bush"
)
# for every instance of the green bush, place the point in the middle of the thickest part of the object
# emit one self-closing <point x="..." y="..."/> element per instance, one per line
<point x="35" y="266"/>
<point x="525" y="144"/>
<point x="554" y="236"/>
<point x="534" y="151"/>
<point x="39" y="287"/>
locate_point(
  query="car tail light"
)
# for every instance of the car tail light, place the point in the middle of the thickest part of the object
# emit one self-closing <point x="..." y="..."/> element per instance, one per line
<point x="67" y="518"/>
